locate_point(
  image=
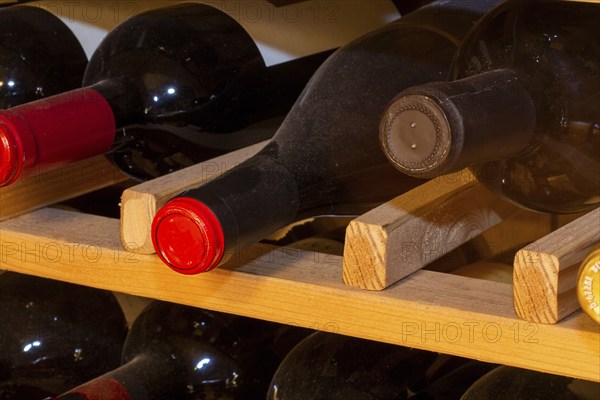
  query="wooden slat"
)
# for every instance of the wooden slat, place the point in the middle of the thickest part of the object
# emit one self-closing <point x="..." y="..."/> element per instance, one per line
<point x="399" y="237"/>
<point x="429" y="310"/>
<point x="140" y="203"/>
<point x="545" y="272"/>
<point x="57" y="184"/>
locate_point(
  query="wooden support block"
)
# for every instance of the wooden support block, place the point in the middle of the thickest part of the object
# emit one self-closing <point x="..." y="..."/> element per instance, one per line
<point x="405" y="234"/>
<point x="140" y="203"/>
<point x="545" y="272"/>
<point x="47" y="187"/>
<point x="429" y="310"/>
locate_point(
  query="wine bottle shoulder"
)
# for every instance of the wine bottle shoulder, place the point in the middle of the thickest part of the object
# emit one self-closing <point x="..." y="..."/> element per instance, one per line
<point x="39" y="56"/>
<point x="77" y="331"/>
<point x="298" y="29"/>
<point x="91" y="21"/>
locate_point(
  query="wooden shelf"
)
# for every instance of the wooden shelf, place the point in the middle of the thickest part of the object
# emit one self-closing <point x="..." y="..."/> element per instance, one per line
<point x="428" y="310"/>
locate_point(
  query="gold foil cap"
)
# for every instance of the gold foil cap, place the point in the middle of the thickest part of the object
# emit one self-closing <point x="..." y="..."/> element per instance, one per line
<point x="588" y="284"/>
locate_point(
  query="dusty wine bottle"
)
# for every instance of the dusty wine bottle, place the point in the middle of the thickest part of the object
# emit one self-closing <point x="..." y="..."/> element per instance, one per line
<point x="55" y="335"/>
<point x="333" y="366"/>
<point x="39" y="56"/>
<point x="325" y="158"/>
<point x="180" y="352"/>
<point x="522" y="109"/>
<point x="506" y="382"/>
<point x="453" y="384"/>
<point x="191" y="70"/>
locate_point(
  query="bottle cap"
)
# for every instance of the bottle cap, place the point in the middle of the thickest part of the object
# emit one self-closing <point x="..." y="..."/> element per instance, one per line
<point x="415" y="135"/>
<point x="11" y="157"/>
<point x="187" y="236"/>
<point x="588" y="286"/>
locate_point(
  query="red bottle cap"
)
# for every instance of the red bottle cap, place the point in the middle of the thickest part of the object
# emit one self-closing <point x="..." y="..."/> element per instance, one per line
<point x="11" y="156"/>
<point x="187" y="236"/>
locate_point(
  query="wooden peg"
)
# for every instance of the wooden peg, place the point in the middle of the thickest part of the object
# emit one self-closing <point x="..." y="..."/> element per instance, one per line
<point x="403" y="235"/>
<point x="545" y="272"/>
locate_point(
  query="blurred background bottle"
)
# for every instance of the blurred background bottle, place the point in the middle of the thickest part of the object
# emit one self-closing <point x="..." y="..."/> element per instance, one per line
<point x="516" y="383"/>
<point x="330" y="366"/>
<point x="55" y="335"/>
<point x="177" y="352"/>
<point x="39" y="56"/>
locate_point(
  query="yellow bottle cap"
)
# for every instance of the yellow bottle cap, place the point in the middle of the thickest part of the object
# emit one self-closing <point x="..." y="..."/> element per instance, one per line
<point x="588" y="285"/>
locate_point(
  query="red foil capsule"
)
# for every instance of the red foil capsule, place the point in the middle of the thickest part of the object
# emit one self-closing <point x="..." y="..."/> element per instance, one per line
<point x="187" y="236"/>
<point x="59" y="129"/>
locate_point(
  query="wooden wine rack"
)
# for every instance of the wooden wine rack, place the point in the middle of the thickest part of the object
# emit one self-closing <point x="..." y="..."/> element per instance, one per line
<point x="51" y="185"/>
<point x="425" y="309"/>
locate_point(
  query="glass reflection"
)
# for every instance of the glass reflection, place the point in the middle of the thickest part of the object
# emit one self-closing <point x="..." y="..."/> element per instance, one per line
<point x="31" y="345"/>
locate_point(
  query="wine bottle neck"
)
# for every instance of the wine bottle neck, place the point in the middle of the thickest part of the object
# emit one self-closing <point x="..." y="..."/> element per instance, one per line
<point x="198" y="230"/>
<point x="124" y="100"/>
<point x="442" y="127"/>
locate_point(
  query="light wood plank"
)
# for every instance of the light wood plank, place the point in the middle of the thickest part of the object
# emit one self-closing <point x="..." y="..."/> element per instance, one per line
<point x="429" y="310"/>
<point x="52" y="185"/>
<point x="140" y="203"/>
<point x="403" y="235"/>
<point x="545" y="272"/>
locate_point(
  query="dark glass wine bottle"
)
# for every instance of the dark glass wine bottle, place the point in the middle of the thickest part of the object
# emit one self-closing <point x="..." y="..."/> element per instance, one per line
<point x="516" y="383"/>
<point x="55" y="335"/>
<point x="190" y="74"/>
<point x="522" y="109"/>
<point x="335" y="367"/>
<point x="39" y="56"/>
<point x="453" y="384"/>
<point x="183" y="353"/>
<point x="325" y="158"/>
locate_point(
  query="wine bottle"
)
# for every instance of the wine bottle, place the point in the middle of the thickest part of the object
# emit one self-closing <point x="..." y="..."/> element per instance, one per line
<point x="186" y="353"/>
<point x="55" y="335"/>
<point x="91" y="21"/>
<point x="588" y="284"/>
<point x="453" y="384"/>
<point x="172" y="86"/>
<point x="45" y="45"/>
<point x="39" y="56"/>
<point x="521" y="111"/>
<point x="516" y="383"/>
<point x="325" y="158"/>
<point x="334" y="367"/>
